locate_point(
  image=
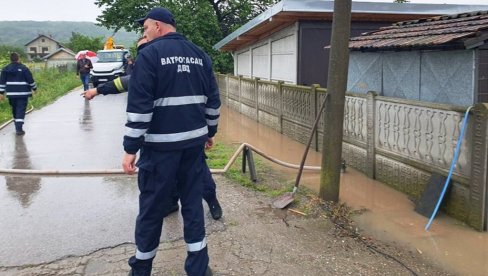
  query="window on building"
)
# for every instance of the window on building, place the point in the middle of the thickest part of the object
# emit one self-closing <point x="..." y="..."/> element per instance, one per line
<point x="42" y="39"/>
<point x="33" y="49"/>
<point x="45" y="49"/>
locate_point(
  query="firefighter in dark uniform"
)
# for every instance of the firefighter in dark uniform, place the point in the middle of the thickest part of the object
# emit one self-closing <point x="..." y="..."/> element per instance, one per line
<point x="17" y="83"/>
<point x="120" y="85"/>
<point x="173" y="109"/>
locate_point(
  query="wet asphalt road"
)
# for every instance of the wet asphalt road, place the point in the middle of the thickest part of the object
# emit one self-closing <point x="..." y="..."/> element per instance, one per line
<point x="46" y="218"/>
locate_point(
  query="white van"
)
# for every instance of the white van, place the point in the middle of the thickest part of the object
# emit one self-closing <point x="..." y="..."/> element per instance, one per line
<point x="110" y="65"/>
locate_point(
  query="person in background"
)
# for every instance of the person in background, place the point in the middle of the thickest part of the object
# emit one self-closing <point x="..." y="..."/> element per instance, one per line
<point x="17" y="83"/>
<point x="173" y="108"/>
<point x="83" y="67"/>
<point x="129" y="66"/>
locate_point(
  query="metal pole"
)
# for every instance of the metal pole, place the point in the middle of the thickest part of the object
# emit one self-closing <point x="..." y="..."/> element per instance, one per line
<point x="244" y="156"/>
<point x="252" y="168"/>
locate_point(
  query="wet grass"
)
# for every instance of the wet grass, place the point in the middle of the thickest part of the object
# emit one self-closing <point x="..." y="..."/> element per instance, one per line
<point x="51" y="84"/>
<point x="273" y="185"/>
<point x="268" y="182"/>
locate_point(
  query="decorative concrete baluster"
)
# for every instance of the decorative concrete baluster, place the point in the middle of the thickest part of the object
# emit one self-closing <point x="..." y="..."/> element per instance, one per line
<point x="429" y="136"/>
<point x="353" y="118"/>
<point x="360" y="120"/>
<point x="380" y="124"/>
<point x="396" y="127"/>
<point x="406" y="130"/>
<point x="386" y="132"/>
<point x="442" y="138"/>
<point x="417" y="132"/>
<point x="346" y="117"/>
<point x="455" y="136"/>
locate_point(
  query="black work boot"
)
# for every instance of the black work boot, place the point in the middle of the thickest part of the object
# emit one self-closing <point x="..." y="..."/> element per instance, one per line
<point x="140" y="267"/>
<point x="215" y="209"/>
<point x="18" y="129"/>
<point x="19" y="132"/>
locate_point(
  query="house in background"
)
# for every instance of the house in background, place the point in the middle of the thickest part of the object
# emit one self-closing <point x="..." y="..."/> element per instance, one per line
<point x="287" y="41"/>
<point x="442" y="59"/>
<point x="41" y="46"/>
<point x="61" y="57"/>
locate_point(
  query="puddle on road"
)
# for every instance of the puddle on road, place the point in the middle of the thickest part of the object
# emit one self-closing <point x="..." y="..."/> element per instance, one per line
<point x="390" y="214"/>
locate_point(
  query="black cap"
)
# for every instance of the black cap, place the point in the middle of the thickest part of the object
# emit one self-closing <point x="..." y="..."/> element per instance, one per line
<point x="159" y="14"/>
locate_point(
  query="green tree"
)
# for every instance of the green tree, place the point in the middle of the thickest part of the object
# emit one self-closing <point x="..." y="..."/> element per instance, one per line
<point x="204" y="22"/>
<point x="79" y="42"/>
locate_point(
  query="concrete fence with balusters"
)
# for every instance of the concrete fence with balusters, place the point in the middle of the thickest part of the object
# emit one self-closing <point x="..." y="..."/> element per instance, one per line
<point x="396" y="141"/>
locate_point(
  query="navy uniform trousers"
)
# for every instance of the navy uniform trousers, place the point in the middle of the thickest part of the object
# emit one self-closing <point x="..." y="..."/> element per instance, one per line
<point x="19" y="105"/>
<point x="158" y="171"/>
<point x="209" y="187"/>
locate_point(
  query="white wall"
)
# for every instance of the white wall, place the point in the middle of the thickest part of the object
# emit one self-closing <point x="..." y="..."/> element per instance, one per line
<point x="274" y="57"/>
<point x="260" y="62"/>
<point x="284" y="59"/>
<point x="244" y="64"/>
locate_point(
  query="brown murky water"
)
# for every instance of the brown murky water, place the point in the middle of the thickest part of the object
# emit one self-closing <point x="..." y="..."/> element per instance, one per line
<point x="389" y="214"/>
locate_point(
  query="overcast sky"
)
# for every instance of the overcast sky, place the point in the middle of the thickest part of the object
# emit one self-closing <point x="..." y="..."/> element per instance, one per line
<point x="85" y="10"/>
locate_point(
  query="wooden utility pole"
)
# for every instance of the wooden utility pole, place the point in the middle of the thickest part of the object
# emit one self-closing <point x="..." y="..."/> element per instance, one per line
<point x="334" y="111"/>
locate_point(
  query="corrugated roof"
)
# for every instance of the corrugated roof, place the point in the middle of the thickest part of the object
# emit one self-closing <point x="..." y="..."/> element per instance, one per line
<point x="447" y="32"/>
<point x="287" y="12"/>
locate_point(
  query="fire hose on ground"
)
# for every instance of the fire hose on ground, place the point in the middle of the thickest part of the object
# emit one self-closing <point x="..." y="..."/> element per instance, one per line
<point x="244" y="147"/>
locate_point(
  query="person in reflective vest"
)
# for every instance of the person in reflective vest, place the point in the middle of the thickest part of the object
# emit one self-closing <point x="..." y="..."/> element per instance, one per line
<point x="17" y="83"/>
<point x="120" y="85"/>
<point x="173" y="109"/>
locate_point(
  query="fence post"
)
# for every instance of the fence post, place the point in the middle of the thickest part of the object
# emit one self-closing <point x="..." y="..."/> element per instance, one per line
<point x="314" y="109"/>
<point x="227" y="88"/>
<point x="370" y="136"/>
<point x="240" y="89"/>
<point x="280" y="115"/>
<point x="479" y="167"/>
<point x="256" y="97"/>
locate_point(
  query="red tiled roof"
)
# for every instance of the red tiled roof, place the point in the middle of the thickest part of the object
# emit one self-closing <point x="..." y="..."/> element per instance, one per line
<point x="448" y="32"/>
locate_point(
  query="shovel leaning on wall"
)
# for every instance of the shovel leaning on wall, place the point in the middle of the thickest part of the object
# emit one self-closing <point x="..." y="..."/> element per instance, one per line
<point x="284" y="200"/>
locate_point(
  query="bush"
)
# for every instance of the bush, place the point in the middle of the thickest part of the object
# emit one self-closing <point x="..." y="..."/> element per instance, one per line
<point x="5" y="51"/>
<point x="37" y="59"/>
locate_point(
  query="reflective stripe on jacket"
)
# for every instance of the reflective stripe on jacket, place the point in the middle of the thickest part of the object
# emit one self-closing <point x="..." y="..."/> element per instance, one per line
<point x="173" y="101"/>
<point x="16" y="81"/>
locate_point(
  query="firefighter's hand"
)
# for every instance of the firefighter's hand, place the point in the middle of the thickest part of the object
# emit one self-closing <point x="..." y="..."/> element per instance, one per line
<point x="209" y="144"/>
<point x="129" y="163"/>
<point x="90" y="93"/>
<point x="1" y="97"/>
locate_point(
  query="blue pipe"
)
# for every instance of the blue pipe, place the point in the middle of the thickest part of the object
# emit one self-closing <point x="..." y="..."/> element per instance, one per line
<point x="453" y="165"/>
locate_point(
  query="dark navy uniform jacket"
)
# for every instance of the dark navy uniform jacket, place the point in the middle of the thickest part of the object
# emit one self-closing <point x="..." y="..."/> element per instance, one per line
<point x="118" y="85"/>
<point x="173" y="100"/>
<point x="16" y="81"/>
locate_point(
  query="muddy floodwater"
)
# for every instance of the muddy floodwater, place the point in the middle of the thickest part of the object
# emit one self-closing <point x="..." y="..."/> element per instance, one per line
<point x="387" y="214"/>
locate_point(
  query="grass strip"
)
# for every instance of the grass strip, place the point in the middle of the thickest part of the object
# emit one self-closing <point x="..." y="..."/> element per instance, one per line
<point x="51" y="84"/>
